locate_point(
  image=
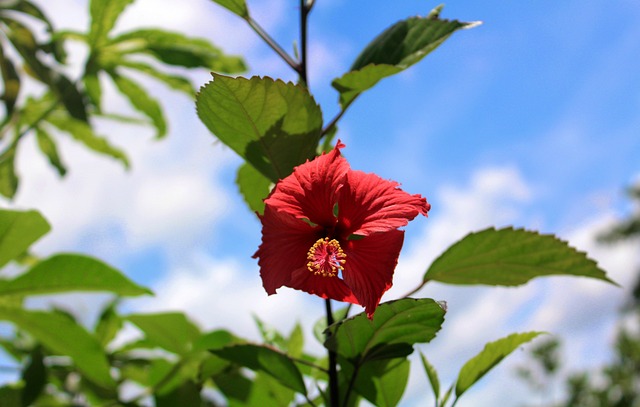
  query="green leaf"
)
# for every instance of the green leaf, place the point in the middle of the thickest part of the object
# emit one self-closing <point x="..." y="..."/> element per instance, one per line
<point x="273" y="125"/>
<point x="176" y="82"/>
<point x="490" y="356"/>
<point x="397" y="48"/>
<point x="383" y="382"/>
<point x="109" y="324"/>
<point x="71" y="272"/>
<point x="267" y="360"/>
<point x="49" y="149"/>
<point x="321" y="324"/>
<point x="11" y="81"/>
<point x="510" y="257"/>
<point x="171" y="331"/>
<point x="405" y="321"/>
<point x="64" y="337"/>
<point x="18" y="230"/>
<point x="104" y="14"/>
<point x="142" y="102"/>
<point x="34" y="377"/>
<point x="238" y="7"/>
<point x="83" y="133"/>
<point x="11" y="396"/>
<point x="185" y="395"/>
<point x="253" y="186"/>
<point x="174" y="48"/>
<point x="215" y="339"/>
<point x="432" y="374"/>
<point x="8" y="177"/>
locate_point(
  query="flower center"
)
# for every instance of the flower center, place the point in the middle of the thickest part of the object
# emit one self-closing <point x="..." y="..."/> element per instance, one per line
<point x="326" y="258"/>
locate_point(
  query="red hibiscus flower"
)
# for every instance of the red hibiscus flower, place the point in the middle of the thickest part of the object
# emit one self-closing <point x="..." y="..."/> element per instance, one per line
<point x="333" y="232"/>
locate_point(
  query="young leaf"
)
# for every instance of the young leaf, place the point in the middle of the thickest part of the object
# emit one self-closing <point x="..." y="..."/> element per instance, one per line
<point x="8" y="177"/>
<point x="49" y="149"/>
<point x="510" y="257"/>
<point x="64" y="337"/>
<point x="71" y="272"/>
<point x="491" y="355"/>
<point x="238" y="7"/>
<point x="432" y="374"/>
<point x="405" y="321"/>
<point x="171" y="331"/>
<point x="272" y="124"/>
<point x="104" y="14"/>
<point x="254" y="187"/>
<point x="18" y="230"/>
<point x="267" y="360"/>
<point x="109" y="324"/>
<point x="397" y="48"/>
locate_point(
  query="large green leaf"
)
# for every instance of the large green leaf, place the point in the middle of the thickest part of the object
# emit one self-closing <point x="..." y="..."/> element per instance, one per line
<point x="238" y="7"/>
<point x="185" y="395"/>
<point x="8" y="177"/>
<point x="63" y="336"/>
<point x="34" y="377"/>
<point x="395" y="323"/>
<point x="253" y="186"/>
<point x="272" y="124"/>
<point x="50" y="150"/>
<point x="71" y="272"/>
<point x="397" y="48"/>
<point x="509" y="257"/>
<point x="18" y="230"/>
<point x="491" y="355"/>
<point x="383" y="382"/>
<point x="171" y="331"/>
<point x="267" y="360"/>
<point x="104" y="14"/>
<point x="174" y="48"/>
<point x="141" y="101"/>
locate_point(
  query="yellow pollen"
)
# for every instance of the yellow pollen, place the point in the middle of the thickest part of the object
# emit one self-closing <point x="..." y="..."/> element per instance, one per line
<point x="326" y="258"/>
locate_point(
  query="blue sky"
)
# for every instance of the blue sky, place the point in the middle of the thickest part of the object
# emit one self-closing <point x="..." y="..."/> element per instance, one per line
<point x="530" y="119"/>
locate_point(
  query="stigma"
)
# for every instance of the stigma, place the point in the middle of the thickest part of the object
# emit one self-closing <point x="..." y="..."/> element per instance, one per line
<point x="326" y="258"/>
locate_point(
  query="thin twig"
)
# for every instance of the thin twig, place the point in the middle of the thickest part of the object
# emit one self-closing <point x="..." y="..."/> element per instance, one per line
<point x="415" y="290"/>
<point x="273" y="44"/>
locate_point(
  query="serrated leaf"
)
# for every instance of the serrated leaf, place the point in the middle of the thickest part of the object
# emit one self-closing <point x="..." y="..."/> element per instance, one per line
<point x="48" y="148"/>
<point x="407" y="321"/>
<point x="383" y="382"/>
<point x="18" y="230"/>
<point x="510" y="257"/>
<point x="432" y="375"/>
<point x="273" y="125"/>
<point x="267" y="360"/>
<point x="8" y="177"/>
<point x="254" y="187"/>
<point x="172" y="331"/>
<point x="175" y="48"/>
<point x="71" y="272"/>
<point x="397" y="48"/>
<point x="104" y="14"/>
<point x="491" y="355"/>
<point x="64" y="337"/>
<point x="238" y="7"/>
<point x="83" y="133"/>
<point x="142" y="102"/>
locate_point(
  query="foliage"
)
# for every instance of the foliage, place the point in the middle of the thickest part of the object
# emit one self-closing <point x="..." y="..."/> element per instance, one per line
<point x="273" y="126"/>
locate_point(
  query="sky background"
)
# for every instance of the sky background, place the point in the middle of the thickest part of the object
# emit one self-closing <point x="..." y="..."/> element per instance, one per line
<point x="530" y="119"/>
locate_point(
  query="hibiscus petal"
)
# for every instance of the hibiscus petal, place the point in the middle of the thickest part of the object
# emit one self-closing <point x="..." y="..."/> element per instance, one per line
<point x="369" y="204"/>
<point x="370" y="264"/>
<point x="285" y="243"/>
<point x="325" y="287"/>
<point x="310" y="192"/>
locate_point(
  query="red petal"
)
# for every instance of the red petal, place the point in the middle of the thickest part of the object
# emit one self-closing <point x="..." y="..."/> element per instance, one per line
<point x="369" y="268"/>
<point x="311" y="191"/>
<point x="325" y="287"/>
<point x="285" y="243"/>
<point x="369" y="204"/>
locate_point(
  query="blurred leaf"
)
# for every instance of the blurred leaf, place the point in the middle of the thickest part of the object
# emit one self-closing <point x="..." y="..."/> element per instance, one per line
<point x="397" y="48"/>
<point x="295" y="343"/>
<point x="91" y="81"/>
<point x="272" y="124"/>
<point x="270" y="335"/>
<point x="10" y="395"/>
<point x="18" y="230"/>
<point x="238" y="7"/>
<point x="383" y="382"/>
<point x="104" y="14"/>
<point x="177" y="49"/>
<point x="108" y="325"/>
<point x="490" y="356"/>
<point x="71" y="272"/>
<point x="64" y="337"/>
<point x="267" y="360"/>
<point x="176" y="82"/>
<point x="215" y="339"/>
<point x="8" y="177"/>
<point x="254" y="187"/>
<point x="432" y="374"/>
<point x="510" y="257"/>
<point x="11" y="81"/>
<point x="49" y="149"/>
<point x="142" y="102"/>
<point x="407" y="321"/>
<point x="321" y="324"/>
<point x="34" y="377"/>
<point x="171" y="331"/>
<point x="186" y="395"/>
<point x="83" y="133"/>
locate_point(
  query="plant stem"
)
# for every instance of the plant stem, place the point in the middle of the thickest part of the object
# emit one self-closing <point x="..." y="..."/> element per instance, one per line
<point x="415" y="290"/>
<point x="334" y="394"/>
<point x="274" y="45"/>
<point x="305" y="9"/>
